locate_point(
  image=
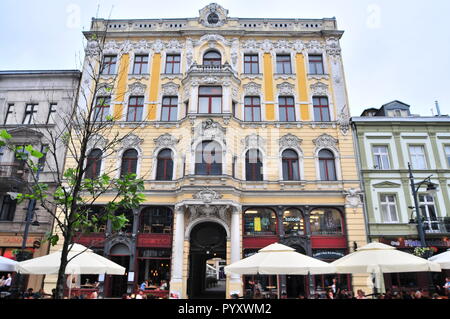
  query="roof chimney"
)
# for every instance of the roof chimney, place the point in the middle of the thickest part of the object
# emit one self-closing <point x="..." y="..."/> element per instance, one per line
<point x="437" y="108"/>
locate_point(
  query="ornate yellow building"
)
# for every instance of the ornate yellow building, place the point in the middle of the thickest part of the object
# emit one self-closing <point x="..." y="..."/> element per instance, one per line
<point x="241" y="133"/>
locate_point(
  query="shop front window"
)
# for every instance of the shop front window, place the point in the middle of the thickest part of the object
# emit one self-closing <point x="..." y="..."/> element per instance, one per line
<point x="260" y="221"/>
<point x="326" y="222"/>
<point x="153" y="265"/>
<point x="293" y="222"/>
<point x="156" y="220"/>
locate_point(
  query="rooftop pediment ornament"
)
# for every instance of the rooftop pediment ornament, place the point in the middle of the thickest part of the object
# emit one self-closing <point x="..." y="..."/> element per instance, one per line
<point x="213" y="15"/>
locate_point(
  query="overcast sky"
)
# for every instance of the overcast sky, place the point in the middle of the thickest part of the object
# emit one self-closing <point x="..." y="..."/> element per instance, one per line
<point x="391" y="49"/>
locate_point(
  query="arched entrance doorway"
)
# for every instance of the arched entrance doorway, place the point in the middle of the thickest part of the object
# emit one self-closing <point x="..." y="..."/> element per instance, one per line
<point x="296" y="285"/>
<point x="120" y="254"/>
<point x="207" y="256"/>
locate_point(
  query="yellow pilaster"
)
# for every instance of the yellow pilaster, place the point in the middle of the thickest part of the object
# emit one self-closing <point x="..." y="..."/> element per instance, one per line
<point x="301" y="85"/>
<point x="154" y="85"/>
<point x="268" y="87"/>
<point x="121" y="85"/>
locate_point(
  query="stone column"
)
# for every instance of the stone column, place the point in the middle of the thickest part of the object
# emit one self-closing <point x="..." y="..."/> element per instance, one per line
<point x="236" y="249"/>
<point x="176" y="279"/>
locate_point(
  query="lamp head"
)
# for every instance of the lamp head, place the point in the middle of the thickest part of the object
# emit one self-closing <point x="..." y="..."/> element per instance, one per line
<point x="432" y="188"/>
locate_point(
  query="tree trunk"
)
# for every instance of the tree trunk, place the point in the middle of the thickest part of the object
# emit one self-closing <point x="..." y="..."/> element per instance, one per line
<point x="62" y="268"/>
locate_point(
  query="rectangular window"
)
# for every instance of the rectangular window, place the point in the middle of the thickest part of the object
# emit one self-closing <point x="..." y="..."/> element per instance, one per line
<point x="135" y="109"/>
<point x="42" y="160"/>
<point x="286" y="108"/>
<point x="9" y="114"/>
<point x="109" y="64"/>
<point x="140" y="64"/>
<point x="316" y="64"/>
<point x="447" y="154"/>
<point x="51" y="113"/>
<point x="173" y="64"/>
<point x="169" y="111"/>
<point x="284" y="64"/>
<point x="417" y="156"/>
<point x="7" y="208"/>
<point x="428" y="211"/>
<point x="252" y="109"/>
<point x="210" y="99"/>
<point x="321" y="109"/>
<point x="102" y="108"/>
<point x="389" y="209"/>
<point x="251" y="64"/>
<point x="30" y="114"/>
<point x="381" y="157"/>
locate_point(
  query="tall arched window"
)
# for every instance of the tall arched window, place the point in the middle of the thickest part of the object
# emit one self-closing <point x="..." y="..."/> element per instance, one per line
<point x="293" y="222"/>
<point x="212" y="58"/>
<point x="253" y="166"/>
<point x="260" y="221"/>
<point x="164" y="167"/>
<point x="327" y="166"/>
<point x="129" y="162"/>
<point x="93" y="164"/>
<point x="208" y="158"/>
<point x="291" y="170"/>
<point x="326" y="221"/>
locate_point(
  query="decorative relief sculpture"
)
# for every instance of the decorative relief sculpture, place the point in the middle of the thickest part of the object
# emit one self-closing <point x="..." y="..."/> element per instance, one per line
<point x="344" y="120"/>
<point x="319" y="88"/>
<point x="326" y="141"/>
<point x="254" y="141"/>
<point x="97" y="141"/>
<point x="353" y="197"/>
<point x="166" y="140"/>
<point x="290" y="141"/>
<point x="252" y="88"/>
<point x="286" y="88"/>
<point x="131" y="140"/>
<point x="207" y="195"/>
<point x="213" y="15"/>
<point x="137" y="88"/>
<point x="170" y="89"/>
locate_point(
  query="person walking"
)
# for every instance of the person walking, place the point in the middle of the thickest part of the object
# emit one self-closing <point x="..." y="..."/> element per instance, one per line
<point x="7" y="282"/>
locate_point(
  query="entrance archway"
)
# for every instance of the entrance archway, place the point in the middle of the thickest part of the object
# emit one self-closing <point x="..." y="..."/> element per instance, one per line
<point x="207" y="256"/>
<point x="120" y="254"/>
<point x="296" y="284"/>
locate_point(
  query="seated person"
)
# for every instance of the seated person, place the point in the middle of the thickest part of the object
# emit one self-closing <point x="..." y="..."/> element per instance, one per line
<point x="144" y="285"/>
<point x="164" y="285"/>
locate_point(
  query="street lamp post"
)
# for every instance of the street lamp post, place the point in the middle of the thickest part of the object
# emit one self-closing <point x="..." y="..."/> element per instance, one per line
<point x="420" y="226"/>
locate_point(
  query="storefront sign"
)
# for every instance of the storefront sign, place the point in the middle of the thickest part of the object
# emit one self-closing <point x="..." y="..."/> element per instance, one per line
<point x="154" y="240"/>
<point x="328" y="254"/>
<point x="412" y="243"/>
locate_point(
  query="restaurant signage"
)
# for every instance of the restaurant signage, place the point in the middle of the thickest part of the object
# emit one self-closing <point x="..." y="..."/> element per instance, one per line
<point x="412" y="243"/>
<point x="328" y="254"/>
<point x="16" y="241"/>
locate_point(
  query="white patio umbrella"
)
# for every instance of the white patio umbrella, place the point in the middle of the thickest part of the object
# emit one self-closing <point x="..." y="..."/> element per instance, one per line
<point x="87" y="262"/>
<point x="442" y="259"/>
<point x="378" y="258"/>
<point x="278" y="259"/>
<point x="7" y="264"/>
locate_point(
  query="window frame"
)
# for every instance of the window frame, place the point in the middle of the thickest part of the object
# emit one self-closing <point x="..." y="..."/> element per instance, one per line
<point x="170" y="107"/>
<point x="136" y="107"/>
<point x="251" y="63"/>
<point x="313" y="64"/>
<point x="172" y="63"/>
<point x="387" y="155"/>
<point x="129" y="162"/>
<point x="31" y="113"/>
<point x="167" y="174"/>
<point x="141" y="64"/>
<point x="388" y="205"/>
<point x="261" y="233"/>
<point x="421" y="146"/>
<point x="286" y="107"/>
<point x="101" y="108"/>
<point x="11" y="205"/>
<point x="210" y="99"/>
<point x="212" y="62"/>
<point x="290" y="163"/>
<point x="9" y="111"/>
<point x="325" y="160"/>
<point x="321" y="107"/>
<point x="111" y="64"/>
<point x="93" y="165"/>
<point x="252" y="106"/>
<point x="281" y="65"/>
<point x="51" y="111"/>
<point x="251" y="168"/>
<point x="447" y="154"/>
<point x="208" y="166"/>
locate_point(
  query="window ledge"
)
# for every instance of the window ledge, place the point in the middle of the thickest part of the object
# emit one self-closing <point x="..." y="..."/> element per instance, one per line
<point x="318" y="76"/>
